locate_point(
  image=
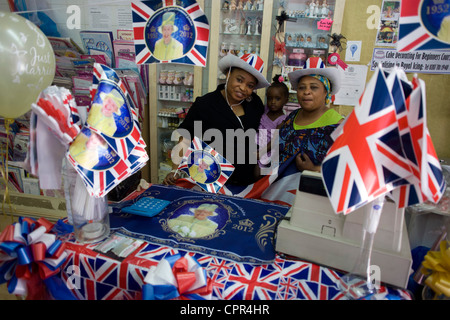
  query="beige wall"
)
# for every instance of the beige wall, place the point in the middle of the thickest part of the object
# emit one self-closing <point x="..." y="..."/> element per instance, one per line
<point x="354" y="28"/>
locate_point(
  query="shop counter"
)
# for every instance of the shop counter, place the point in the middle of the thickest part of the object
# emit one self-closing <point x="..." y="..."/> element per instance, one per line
<point x="248" y="269"/>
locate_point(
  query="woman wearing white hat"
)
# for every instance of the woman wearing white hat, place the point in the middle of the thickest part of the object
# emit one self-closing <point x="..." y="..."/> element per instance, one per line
<point x="305" y="133"/>
<point x="233" y="105"/>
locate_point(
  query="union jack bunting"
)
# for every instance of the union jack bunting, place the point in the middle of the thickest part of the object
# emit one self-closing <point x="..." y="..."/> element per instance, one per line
<point x="205" y="167"/>
<point x="419" y="25"/>
<point x="248" y="282"/>
<point x="366" y="158"/>
<point x="219" y="271"/>
<point x="191" y="22"/>
<point x="97" y="277"/>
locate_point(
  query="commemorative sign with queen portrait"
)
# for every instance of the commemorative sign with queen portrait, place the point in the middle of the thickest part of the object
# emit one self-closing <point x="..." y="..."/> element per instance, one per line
<point x="424" y="25"/>
<point x="110" y="146"/>
<point x="170" y="31"/>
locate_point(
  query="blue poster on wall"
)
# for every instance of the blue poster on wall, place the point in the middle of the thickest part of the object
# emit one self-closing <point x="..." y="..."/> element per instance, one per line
<point x="170" y="31"/>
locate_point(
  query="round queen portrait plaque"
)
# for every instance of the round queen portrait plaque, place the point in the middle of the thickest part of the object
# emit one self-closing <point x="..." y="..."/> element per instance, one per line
<point x="170" y="33"/>
<point x="435" y="18"/>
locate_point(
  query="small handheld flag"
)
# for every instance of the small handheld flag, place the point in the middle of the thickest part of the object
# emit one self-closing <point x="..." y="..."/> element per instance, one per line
<point x="205" y="167"/>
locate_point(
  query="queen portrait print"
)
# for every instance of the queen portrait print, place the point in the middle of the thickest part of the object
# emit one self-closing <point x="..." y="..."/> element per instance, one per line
<point x="198" y="220"/>
<point x="170" y="34"/>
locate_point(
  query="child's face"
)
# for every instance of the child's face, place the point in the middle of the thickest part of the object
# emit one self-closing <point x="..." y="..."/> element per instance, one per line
<point x="276" y="99"/>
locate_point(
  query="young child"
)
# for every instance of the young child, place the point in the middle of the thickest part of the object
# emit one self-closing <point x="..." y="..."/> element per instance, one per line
<point x="277" y="96"/>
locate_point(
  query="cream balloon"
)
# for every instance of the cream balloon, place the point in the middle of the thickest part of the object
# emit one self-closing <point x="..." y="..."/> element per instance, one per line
<point x="27" y="64"/>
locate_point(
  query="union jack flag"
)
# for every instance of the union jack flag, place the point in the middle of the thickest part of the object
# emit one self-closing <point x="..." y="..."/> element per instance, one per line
<point x="100" y="182"/>
<point x="130" y="151"/>
<point x="144" y="11"/>
<point x="279" y="187"/>
<point x="211" y="178"/>
<point x="419" y="25"/>
<point x="366" y="158"/>
<point x="427" y="182"/>
<point x="119" y="274"/>
<point x="250" y="282"/>
<point x="307" y="281"/>
<point x="101" y="72"/>
<point x="98" y="277"/>
<point x="93" y="290"/>
<point x="402" y="152"/>
<point x="123" y="146"/>
<point x="218" y="271"/>
<point x="69" y="101"/>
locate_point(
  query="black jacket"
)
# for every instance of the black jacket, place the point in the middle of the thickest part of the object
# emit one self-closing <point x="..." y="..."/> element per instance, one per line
<point x="216" y="117"/>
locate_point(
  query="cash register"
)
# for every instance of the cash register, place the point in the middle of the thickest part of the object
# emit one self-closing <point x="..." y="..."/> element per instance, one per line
<point x="312" y="231"/>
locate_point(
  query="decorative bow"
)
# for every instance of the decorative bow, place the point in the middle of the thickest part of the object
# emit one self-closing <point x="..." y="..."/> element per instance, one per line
<point x="279" y="48"/>
<point x="278" y="62"/>
<point x="336" y="40"/>
<point x="281" y="19"/>
<point x="437" y="268"/>
<point x="29" y="255"/>
<point x="177" y="277"/>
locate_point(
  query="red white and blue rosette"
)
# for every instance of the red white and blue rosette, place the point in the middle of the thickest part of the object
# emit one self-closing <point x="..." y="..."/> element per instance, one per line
<point x="29" y="255"/>
<point x="177" y="277"/>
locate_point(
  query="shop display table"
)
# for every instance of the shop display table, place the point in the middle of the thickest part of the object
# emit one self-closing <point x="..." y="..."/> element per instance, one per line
<point x="95" y="276"/>
<point x="102" y="271"/>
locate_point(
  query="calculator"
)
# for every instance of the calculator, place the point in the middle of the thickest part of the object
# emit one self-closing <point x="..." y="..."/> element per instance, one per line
<point x="147" y="207"/>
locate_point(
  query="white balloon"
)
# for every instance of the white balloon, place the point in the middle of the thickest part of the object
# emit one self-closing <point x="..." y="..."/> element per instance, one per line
<point x="27" y="64"/>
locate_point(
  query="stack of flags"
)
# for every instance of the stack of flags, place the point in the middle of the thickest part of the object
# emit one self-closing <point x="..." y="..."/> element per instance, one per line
<point x="120" y="150"/>
<point x="384" y="148"/>
<point x="105" y="150"/>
